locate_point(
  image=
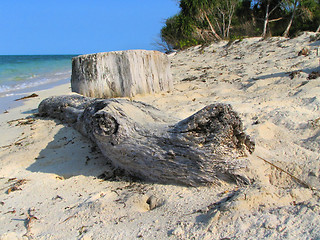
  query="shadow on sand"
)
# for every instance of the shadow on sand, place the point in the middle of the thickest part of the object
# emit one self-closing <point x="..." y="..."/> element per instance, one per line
<point x="70" y="154"/>
<point x="279" y="75"/>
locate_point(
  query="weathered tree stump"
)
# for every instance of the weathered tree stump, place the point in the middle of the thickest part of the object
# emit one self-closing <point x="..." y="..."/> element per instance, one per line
<point x="206" y="147"/>
<point x="121" y="73"/>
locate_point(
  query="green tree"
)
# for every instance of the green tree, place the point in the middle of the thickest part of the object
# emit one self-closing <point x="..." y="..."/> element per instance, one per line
<point x="202" y="21"/>
<point x="271" y="6"/>
<point x="199" y="10"/>
<point x="263" y="10"/>
<point x="244" y="22"/>
<point x="293" y="5"/>
<point x="307" y="17"/>
<point x="178" y="31"/>
<point x="306" y="11"/>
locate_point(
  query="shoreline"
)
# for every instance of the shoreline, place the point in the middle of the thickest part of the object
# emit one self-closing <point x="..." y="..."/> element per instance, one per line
<point x="26" y="108"/>
<point x="7" y="103"/>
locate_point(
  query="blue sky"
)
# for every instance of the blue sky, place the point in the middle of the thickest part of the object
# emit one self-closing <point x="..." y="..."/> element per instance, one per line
<point x="81" y="26"/>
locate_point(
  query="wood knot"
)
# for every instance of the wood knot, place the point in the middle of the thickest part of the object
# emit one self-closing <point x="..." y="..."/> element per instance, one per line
<point x="104" y="124"/>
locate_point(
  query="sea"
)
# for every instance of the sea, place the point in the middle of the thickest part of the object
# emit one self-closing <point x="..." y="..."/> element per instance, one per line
<point x="25" y="73"/>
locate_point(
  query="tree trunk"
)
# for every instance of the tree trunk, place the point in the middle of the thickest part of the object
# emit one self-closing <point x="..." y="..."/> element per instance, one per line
<point x="266" y="19"/>
<point x="199" y="32"/>
<point x="230" y="20"/>
<point x="121" y="73"/>
<point x="204" y="148"/>
<point x="286" y="32"/>
<point x="318" y="29"/>
<point x="223" y="23"/>
<point x="212" y="29"/>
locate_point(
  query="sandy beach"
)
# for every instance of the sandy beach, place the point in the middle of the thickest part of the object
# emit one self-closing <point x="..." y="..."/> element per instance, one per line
<point x="55" y="184"/>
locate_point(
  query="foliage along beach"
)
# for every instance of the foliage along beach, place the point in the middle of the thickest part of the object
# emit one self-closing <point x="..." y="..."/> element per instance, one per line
<point x="204" y="21"/>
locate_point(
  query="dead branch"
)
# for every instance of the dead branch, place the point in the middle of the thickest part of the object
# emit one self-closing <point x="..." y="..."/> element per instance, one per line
<point x="306" y="185"/>
<point x="26" y="97"/>
<point x="17" y="143"/>
<point x="28" y="221"/>
<point x="16" y="186"/>
<point x="275" y="20"/>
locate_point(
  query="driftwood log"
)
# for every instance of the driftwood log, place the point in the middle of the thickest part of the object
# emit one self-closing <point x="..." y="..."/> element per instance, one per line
<point x="204" y="148"/>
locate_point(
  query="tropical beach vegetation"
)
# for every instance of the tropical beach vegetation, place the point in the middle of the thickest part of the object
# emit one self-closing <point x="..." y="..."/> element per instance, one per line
<point x="205" y="21"/>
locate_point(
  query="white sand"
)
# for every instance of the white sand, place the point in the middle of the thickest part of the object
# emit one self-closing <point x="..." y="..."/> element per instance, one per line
<point x="59" y="167"/>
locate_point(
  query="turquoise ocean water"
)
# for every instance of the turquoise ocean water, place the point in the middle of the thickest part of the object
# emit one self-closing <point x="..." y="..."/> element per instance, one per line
<point x="25" y="73"/>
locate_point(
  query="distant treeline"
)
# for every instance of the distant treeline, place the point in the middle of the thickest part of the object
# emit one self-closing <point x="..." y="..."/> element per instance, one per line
<point x="204" y="21"/>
